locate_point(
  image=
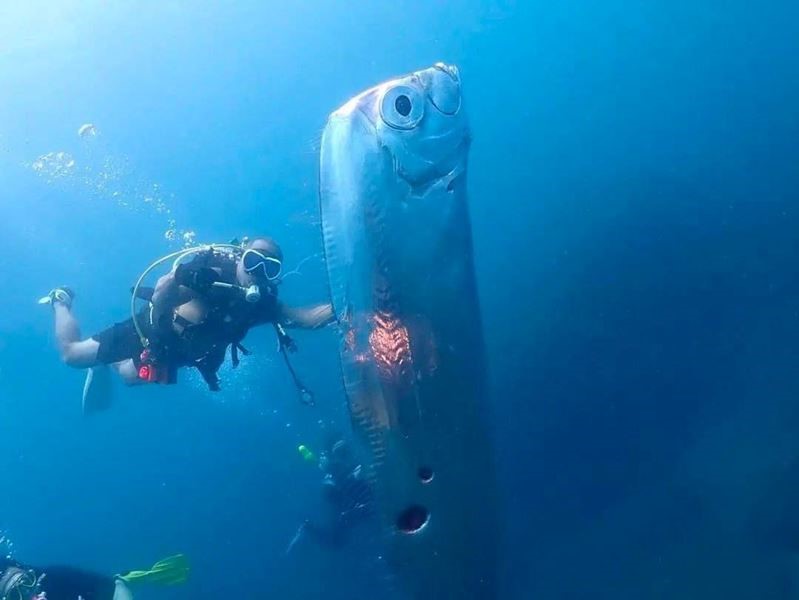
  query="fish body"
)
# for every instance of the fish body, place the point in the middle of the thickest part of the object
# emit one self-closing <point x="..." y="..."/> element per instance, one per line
<point x="398" y="253"/>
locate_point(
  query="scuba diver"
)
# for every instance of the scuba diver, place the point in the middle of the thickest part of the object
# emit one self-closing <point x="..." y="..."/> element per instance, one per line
<point x="23" y="582"/>
<point x="346" y="492"/>
<point x="196" y="311"/>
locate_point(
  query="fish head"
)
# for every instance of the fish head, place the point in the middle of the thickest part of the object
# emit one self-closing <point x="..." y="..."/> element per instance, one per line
<point x="418" y="121"/>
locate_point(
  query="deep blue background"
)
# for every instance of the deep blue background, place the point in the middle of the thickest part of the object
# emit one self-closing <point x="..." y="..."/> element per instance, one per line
<point x="634" y="199"/>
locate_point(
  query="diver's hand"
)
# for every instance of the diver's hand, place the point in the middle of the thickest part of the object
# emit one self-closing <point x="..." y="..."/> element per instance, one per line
<point x="289" y="344"/>
<point x="199" y="279"/>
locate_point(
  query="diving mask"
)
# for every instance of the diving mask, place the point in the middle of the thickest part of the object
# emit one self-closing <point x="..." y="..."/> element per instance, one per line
<point x="256" y="262"/>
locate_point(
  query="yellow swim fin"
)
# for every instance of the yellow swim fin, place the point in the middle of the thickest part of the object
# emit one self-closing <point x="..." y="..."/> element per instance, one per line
<point x="172" y="570"/>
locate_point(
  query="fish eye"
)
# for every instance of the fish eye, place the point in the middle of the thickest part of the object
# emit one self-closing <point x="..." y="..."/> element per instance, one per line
<point x="402" y="107"/>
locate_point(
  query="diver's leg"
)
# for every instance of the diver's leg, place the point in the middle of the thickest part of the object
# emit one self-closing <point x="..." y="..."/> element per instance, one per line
<point x="74" y="351"/>
<point x="128" y="372"/>
<point x="98" y="392"/>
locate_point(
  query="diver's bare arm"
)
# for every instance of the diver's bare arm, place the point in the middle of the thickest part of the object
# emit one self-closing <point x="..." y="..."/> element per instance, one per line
<point x="310" y="317"/>
<point x="168" y="295"/>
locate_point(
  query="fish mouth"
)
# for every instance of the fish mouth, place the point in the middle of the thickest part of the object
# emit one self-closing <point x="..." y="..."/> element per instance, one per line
<point x="442" y="175"/>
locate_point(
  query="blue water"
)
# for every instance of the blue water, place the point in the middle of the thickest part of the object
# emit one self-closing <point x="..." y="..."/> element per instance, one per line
<point x="634" y="193"/>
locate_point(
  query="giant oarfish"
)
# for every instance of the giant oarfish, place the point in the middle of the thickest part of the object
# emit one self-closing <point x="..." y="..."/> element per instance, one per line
<point x="398" y="250"/>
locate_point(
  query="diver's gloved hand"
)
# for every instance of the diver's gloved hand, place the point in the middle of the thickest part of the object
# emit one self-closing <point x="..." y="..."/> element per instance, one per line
<point x="199" y="279"/>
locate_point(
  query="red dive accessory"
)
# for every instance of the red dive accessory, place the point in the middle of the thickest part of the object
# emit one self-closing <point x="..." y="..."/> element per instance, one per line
<point x="150" y="371"/>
